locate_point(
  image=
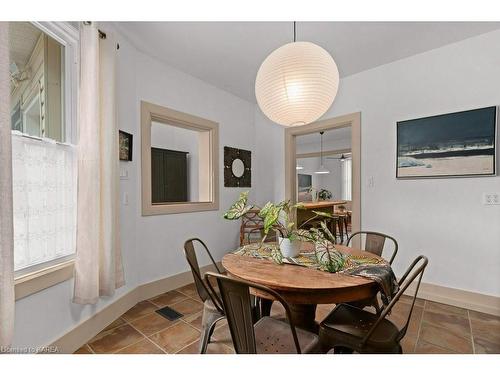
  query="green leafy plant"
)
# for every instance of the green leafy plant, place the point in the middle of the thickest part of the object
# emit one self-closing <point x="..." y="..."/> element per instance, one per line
<point x="325" y="194"/>
<point x="277" y="217"/>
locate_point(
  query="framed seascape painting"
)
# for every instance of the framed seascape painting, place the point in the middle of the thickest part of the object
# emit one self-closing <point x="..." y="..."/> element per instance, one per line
<point x="451" y="145"/>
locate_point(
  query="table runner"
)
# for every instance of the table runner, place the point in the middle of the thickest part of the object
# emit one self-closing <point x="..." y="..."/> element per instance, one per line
<point x="375" y="269"/>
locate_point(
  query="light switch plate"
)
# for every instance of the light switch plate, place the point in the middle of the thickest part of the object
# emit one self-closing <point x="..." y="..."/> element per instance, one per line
<point x="491" y="199"/>
<point x="123" y="174"/>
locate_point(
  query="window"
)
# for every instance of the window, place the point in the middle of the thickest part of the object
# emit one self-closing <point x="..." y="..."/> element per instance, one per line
<point x="179" y="161"/>
<point x="43" y="92"/>
<point x="346" y="168"/>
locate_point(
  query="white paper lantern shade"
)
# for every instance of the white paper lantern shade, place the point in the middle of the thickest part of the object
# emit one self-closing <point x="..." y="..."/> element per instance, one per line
<point x="296" y="84"/>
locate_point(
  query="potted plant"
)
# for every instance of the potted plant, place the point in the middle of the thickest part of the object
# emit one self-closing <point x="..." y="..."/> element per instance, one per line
<point x="277" y="217"/>
<point x="325" y="195"/>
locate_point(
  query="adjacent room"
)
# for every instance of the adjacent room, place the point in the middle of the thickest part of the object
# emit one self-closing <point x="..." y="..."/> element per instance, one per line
<point x="288" y="187"/>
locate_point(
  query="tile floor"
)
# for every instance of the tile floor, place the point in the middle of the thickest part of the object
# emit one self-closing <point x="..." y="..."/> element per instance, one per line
<point x="434" y="328"/>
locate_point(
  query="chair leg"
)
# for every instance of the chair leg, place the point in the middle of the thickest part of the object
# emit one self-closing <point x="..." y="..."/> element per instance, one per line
<point x="207" y="328"/>
<point x="265" y="307"/>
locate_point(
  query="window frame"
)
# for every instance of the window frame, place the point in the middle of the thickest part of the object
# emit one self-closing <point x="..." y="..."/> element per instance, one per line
<point x="151" y="112"/>
<point x="58" y="270"/>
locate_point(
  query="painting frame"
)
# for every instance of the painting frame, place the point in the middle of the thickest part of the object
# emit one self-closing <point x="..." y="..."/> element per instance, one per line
<point x="125" y="144"/>
<point x="494" y="153"/>
<point x="230" y="180"/>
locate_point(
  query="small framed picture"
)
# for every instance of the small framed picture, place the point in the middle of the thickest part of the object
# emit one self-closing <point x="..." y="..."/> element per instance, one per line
<point x="125" y="146"/>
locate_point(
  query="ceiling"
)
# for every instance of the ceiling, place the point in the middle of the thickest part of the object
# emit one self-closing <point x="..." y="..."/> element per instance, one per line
<point x="228" y="54"/>
<point x="22" y="40"/>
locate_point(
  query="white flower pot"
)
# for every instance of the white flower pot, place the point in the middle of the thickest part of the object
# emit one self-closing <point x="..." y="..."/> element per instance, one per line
<point x="288" y="248"/>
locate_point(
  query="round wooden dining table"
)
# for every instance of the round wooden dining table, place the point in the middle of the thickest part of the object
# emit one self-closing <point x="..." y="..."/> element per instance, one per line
<point x="302" y="288"/>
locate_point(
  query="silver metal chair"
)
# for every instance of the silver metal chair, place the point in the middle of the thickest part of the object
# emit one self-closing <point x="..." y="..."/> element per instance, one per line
<point x="212" y="305"/>
<point x="267" y="335"/>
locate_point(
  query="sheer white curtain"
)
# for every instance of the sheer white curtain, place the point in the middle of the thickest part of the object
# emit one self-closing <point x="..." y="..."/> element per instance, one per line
<point x="7" y="300"/>
<point x="98" y="267"/>
<point x="44" y="191"/>
<point x="346" y="170"/>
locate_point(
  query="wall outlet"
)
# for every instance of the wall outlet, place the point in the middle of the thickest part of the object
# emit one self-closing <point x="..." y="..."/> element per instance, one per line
<point x="125" y="199"/>
<point x="491" y="198"/>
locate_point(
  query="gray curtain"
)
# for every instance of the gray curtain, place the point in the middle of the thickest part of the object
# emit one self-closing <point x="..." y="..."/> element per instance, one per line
<point x="7" y="299"/>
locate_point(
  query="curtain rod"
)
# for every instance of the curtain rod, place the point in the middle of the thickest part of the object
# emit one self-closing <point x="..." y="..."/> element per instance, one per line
<point x="102" y="34"/>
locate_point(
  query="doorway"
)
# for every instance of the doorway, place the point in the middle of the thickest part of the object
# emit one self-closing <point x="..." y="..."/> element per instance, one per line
<point x="350" y="122"/>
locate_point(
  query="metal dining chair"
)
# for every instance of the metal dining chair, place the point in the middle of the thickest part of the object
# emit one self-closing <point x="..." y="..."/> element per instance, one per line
<point x="348" y="328"/>
<point x="375" y="243"/>
<point x="212" y="305"/>
<point x="267" y="335"/>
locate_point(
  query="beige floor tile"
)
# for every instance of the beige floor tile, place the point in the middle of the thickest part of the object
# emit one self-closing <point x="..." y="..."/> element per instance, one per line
<point x="408" y="299"/>
<point x="83" y="350"/>
<point x="188" y="307"/>
<point x="212" y="348"/>
<point x="189" y="290"/>
<point x="487" y="331"/>
<point x="485" y="346"/>
<point x="408" y="344"/>
<point x="194" y="320"/>
<point x="142" y="347"/>
<point x="169" y="298"/>
<point x="442" y="337"/>
<point x="399" y="316"/>
<point x="457" y="324"/>
<point x="446" y="309"/>
<point x="492" y="319"/>
<point x="152" y="323"/>
<point x="424" y="347"/>
<point x="139" y="310"/>
<point x="176" y="337"/>
<point x="115" y="340"/>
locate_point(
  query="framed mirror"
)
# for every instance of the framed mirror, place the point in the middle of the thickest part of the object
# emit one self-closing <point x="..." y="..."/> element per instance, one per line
<point x="179" y="161"/>
<point x="237" y="167"/>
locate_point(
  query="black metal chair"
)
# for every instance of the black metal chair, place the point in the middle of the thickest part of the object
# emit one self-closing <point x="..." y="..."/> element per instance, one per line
<point x="348" y="328"/>
<point x="267" y="335"/>
<point x="212" y="305"/>
<point x="375" y="243"/>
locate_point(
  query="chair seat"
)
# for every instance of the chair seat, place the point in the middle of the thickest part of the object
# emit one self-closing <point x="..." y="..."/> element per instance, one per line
<point x="274" y="336"/>
<point x="347" y="325"/>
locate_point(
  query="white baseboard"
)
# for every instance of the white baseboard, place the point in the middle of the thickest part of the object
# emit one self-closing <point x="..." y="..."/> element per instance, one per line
<point x="86" y="330"/>
<point x="456" y="297"/>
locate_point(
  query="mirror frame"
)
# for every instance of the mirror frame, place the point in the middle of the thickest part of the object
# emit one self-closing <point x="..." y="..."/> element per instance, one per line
<point x="151" y="112"/>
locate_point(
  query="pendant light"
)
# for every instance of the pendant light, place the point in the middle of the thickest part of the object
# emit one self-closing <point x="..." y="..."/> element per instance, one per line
<point x="322" y="169"/>
<point x="297" y="83"/>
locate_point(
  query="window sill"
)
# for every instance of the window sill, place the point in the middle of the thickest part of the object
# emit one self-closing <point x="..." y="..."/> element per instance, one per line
<point x="36" y="281"/>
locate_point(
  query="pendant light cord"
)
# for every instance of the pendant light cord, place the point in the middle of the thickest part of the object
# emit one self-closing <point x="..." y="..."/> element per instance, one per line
<point x="321" y="148"/>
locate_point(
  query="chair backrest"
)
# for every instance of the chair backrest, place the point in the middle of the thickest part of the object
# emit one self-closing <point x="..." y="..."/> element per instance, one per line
<point x="416" y="270"/>
<point x="204" y="291"/>
<point x="235" y="295"/>
<point x="375" y="242"/>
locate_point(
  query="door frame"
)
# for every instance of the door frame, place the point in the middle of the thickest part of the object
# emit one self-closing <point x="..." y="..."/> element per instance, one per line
<point x="354" y="121"/>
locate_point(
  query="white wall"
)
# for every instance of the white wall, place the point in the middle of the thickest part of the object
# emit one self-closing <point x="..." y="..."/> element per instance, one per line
<point x="331" y="181"/>
<point x="441" y="218"/>
<point x="152" y="246"/>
